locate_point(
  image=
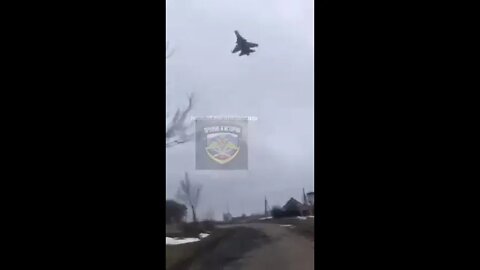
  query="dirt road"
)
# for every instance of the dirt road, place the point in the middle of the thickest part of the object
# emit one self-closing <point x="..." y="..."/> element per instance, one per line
<point x="285" y="250"/>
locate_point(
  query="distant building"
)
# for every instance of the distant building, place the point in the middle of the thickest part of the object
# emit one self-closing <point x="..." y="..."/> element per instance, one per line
<point x="293" y="206"/>
<point x="311" y="198"/>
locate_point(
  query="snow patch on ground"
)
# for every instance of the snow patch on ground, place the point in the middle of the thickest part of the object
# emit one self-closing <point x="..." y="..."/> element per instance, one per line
<point x="264" y="218"/>
<point x="302" y="218"/>
<point x="203" y="235"/>
<point x="286" y="225"/>
<point x="179" y="241"/>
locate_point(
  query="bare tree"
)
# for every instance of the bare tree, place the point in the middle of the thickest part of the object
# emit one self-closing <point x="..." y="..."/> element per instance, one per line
<point x="177" y="127"/>
<point x="189" y="193"/>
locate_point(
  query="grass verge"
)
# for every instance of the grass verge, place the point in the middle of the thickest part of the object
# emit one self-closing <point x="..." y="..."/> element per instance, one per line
<point x="180" y="257"/>
<point x="302" y="227"/>
<point x="223" y="246"/>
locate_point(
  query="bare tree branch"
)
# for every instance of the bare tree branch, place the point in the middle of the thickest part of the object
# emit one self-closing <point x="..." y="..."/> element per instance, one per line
<point x="169" y="51"/>
<point x="189" y="193"/>
<point x="177" y="129"/>
<point x="187" y="138"/>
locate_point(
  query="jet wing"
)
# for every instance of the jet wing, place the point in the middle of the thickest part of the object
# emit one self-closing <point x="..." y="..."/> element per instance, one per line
<point x="236" y="49"/>
<point x="240" y="39"/>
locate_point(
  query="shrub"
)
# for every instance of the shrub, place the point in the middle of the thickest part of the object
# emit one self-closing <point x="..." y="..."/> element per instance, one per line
<point x="191" y="229"/>
<point x="277" y="212"/>
<point x="174" y="212"/>
<point x="291" y="213"/>
<point x="208" y="225"/>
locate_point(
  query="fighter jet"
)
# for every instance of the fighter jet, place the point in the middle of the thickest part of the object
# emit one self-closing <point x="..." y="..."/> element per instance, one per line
<point x="243" y="45"/>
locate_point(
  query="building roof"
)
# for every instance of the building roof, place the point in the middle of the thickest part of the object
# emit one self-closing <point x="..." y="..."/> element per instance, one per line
<point x="294" y="205"/>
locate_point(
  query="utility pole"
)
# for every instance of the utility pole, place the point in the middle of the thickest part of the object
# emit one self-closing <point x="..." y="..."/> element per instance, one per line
<point x="305" y="202"/>
<point x="304" y="197"/>
<point x="266" y="207"/>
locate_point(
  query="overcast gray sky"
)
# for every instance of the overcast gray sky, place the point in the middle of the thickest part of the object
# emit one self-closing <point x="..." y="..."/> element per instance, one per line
<point x="275" y="84"/>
